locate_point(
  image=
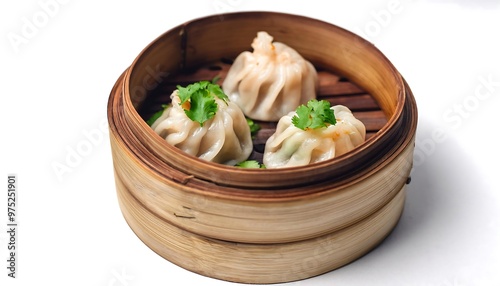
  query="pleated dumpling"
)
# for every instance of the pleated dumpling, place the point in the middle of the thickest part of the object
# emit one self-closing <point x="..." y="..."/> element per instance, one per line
<point x="202" y="122"/>
<point x="313" y="141"/>
<point x="271" y="81"/>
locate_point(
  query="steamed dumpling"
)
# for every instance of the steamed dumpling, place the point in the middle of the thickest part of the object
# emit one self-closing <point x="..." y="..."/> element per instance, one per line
<point x="290" y="146"/>
<point x="225" y="138"/>
<point x="271" y="81"/>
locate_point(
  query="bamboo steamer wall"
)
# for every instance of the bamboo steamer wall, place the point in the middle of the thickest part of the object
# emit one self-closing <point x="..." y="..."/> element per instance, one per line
<point x="261" y="226"/>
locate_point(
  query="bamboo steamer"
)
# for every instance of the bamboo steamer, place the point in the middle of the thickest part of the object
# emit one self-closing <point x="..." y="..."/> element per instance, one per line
<point x="254" y="225"/>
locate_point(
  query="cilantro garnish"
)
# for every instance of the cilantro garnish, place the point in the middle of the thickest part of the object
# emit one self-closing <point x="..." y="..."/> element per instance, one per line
<point x="254" y="127"/>
<point x="250" y="164"/>
<point x="201" y="97"/>
<point x="156" y="115"/>
<point x="215" y="79"/>
<point x="316" y="114"/>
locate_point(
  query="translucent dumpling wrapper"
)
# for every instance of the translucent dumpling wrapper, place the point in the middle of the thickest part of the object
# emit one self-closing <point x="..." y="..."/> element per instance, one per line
<point x="271" y="81"/>
<point x="225" y="138"/>
<point x="290" y="146"/>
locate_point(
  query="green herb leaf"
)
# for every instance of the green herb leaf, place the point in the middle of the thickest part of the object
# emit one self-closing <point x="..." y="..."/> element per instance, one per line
<point x="215" y="79"/>
<point x="316" y="114"/>
<point x="217" y="90"/>
<point x="254" y="127"/>
<point x="302" y="119"/>
<point x="203" y="107"/>
<point x="201" y="96"/>
<point x="250" y="164"/>
<point x="156" y="115"/>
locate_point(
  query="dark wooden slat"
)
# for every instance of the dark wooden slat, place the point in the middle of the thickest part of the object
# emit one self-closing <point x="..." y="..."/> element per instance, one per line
<point x="354" y="102"/>
<point x="326" y="78"/>
<point x="373" y="120"/>
<point x="340" y="88"/>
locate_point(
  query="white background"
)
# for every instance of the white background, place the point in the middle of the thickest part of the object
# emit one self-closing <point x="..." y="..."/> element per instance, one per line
<point x="55" y="80"/>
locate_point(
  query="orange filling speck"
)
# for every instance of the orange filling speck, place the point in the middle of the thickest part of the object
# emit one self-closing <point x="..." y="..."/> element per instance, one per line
<point x="186" y="105"/>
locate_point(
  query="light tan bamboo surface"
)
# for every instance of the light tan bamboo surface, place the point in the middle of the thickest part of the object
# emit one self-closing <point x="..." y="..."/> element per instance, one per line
<point x="259" y="263"/>
<point x="262" y="225"/>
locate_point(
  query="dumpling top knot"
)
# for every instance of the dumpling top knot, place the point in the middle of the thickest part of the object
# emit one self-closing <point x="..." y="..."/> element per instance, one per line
<point x="263" y="44"/>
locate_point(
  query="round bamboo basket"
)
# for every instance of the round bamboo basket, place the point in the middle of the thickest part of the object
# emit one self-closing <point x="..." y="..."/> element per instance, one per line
<point x="262" y="225"/>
